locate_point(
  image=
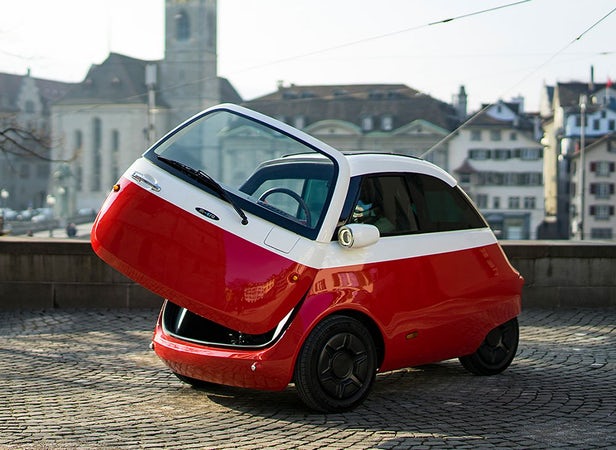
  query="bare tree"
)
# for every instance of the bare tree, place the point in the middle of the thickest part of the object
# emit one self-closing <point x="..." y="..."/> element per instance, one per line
<point x="23" y="143"/>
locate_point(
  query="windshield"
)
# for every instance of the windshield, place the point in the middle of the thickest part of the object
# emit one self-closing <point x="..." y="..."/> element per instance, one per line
<point x="265" y="171"/>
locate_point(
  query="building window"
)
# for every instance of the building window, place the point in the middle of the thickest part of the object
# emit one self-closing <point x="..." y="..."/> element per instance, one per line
<point x="596" y="124"/>
<point x="601" y="233"/>
<point x="495" y="135"/>
<point x="602" y="168"/>
<point x="367" y="123"/>
<point x="78" y="140"/>
<point x="24" y="170"/>
<point x="479" y="154"/>
<point x="496" y="202"/>
<point x="611" y="125"/>
<point x="29" y="107"/>
<point x="530" y="154"/>
<point x="115" y="149"/>
<point x="513" y="136"/>
<point x="502" y="154"/>
<point x="475" y="135"/>
<point x="534" y="179"/>
<point x="602" y="190"/>
<point x="529" y="203"/>
<point x="42" y="170"/>
<point x="514" y="202"/>
<point x="97" y="128"/>
<point x="602" y="212"/>
<point x="482" y="201"/>
<point x="387" y="123"/>
<point x="182" y="26"/>
<point x="299" y="122"/>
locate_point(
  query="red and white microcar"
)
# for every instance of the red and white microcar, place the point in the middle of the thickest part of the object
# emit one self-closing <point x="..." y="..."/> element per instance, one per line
<point x="285" y="261"/>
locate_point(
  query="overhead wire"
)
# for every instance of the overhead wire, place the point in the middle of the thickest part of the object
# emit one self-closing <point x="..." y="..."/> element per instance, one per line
<point x="328" y="49"/>
<point x="528" y="75"/>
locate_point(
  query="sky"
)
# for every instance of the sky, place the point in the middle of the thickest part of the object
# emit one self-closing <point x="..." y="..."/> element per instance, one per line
<point x="497" y="49"/>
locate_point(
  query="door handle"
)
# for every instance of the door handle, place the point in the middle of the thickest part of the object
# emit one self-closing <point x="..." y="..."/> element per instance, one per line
<point x="146" y="179"/>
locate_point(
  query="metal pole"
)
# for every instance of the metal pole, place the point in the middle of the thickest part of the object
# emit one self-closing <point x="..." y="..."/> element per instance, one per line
<point x="582" y="165"/>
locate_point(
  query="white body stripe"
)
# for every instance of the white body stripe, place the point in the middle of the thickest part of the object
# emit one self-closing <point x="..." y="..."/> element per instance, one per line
<point x="305" y="251"/>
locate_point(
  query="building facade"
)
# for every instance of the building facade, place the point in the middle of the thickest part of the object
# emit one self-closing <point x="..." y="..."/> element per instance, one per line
<point x="497" y="159"/>
<point x="25" y="144"/>
<point x="574" y="114"/>
<point x="593" y="205"/>
<point x="124" y="104"/>
<point x="388" y="118"/>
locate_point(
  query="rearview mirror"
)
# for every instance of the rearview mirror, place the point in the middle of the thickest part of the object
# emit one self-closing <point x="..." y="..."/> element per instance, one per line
<point x="358" y="235"/>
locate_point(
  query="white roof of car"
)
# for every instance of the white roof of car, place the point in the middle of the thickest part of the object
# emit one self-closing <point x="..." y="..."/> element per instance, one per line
<point x="365" y="163"/>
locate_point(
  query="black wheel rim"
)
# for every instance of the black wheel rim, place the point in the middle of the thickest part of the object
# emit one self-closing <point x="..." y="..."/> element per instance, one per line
<point x="499" y="345"/>
<point x="343" y="366"/>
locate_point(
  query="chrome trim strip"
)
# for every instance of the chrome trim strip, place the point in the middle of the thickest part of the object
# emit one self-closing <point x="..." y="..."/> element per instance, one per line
<point x="282" y="325"/>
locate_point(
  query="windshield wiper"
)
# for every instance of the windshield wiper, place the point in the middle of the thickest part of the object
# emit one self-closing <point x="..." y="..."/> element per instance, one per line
<point x="205" y="179"/>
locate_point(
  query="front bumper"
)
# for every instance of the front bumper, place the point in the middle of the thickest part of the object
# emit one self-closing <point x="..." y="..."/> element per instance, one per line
<point x="268" y="368"/>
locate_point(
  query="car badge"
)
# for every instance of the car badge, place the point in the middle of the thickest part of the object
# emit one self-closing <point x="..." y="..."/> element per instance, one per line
<point x="206" y="213"/>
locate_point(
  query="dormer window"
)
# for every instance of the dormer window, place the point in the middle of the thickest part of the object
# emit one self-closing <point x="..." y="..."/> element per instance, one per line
<point x="299" y="122"/>
<point x="367" y="123"/>
<point x="182" y="26"/>
<point x="387" y="123"/>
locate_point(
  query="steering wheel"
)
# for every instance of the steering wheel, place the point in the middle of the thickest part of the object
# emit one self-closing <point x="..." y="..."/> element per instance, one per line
<point x="291" y="194"/>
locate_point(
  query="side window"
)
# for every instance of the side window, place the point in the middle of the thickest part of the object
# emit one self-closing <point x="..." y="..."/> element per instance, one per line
<point x="293" y="190"/>
<point x="385" y="202"/>
<point x="276" y="194"/>
<point x="441" y="207"/>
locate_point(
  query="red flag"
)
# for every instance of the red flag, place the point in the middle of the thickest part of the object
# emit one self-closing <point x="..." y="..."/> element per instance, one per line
<point x="609" y="82"/>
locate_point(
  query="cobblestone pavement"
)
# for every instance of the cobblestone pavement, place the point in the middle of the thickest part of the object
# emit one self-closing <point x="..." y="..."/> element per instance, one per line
<point x="86" y="379"/>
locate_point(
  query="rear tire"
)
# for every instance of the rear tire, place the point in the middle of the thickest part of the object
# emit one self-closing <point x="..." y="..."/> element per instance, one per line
<point x="496" y="352"/>
<point x="336" y="365"/>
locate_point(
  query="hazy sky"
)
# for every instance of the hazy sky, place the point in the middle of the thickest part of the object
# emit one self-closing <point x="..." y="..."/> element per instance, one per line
<point x="496" y="54"/>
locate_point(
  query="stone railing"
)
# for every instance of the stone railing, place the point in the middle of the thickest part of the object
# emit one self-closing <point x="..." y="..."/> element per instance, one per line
<point x="63" y="273"/>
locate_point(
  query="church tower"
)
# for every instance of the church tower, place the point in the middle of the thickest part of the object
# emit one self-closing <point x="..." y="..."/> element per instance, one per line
<point x="189" y="78"/>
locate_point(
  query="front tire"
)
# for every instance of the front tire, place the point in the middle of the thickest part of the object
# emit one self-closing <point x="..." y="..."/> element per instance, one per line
<point x="336" y="365"/>
<point x="496" y="352"/>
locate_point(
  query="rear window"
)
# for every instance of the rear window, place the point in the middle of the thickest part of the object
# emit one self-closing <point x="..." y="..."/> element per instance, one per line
<point x="441" y="207"/>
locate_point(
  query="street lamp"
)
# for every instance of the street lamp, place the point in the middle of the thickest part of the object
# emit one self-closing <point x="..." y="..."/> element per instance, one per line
<point x="582" y="167"/>
<point x="51" y="202"/>
<point x="4" y="194"/>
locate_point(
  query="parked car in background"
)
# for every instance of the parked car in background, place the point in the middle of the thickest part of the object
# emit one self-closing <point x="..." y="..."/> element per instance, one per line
<point x="285" y="261"/>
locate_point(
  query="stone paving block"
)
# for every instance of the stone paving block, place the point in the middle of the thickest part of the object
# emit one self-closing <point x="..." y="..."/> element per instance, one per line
<point x="85" y="379"/>
<point x="84" y="295"/>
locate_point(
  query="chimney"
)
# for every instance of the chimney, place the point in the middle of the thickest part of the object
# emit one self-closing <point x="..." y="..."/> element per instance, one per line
<point x="591" y="85"/>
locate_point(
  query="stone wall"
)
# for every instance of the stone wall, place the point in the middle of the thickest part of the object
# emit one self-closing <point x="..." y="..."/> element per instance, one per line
<point x="64" y="273"/>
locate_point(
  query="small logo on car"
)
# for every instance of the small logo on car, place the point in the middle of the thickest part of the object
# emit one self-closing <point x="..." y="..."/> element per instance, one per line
<point x="208" y="214"/>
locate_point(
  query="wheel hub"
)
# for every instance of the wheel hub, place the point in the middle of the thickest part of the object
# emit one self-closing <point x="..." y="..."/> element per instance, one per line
<point x="342" y="364"/>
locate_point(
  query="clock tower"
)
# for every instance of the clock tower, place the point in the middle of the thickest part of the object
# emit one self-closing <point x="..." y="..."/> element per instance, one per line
<point x="189" y="80"/>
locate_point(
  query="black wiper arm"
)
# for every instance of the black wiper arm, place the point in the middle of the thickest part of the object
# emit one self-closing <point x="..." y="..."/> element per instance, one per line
<point x="207" y="180"/>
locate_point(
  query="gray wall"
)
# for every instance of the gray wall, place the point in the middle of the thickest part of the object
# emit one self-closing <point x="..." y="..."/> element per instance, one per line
<point x="64" y="273"/>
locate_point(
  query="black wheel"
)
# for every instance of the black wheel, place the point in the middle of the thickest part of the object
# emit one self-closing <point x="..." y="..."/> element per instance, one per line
<point x="197" y="384"/>
<point x="496" y="351"/>
<point x="336" y="366"/>
<point x="295" y="196"/>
